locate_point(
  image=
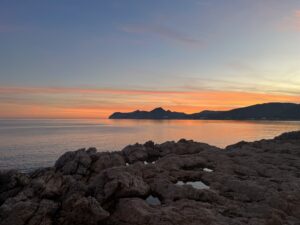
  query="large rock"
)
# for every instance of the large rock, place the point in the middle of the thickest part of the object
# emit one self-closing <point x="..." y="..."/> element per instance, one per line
<point x="45" y="213"/>
<point x="82" y="211"/>
<point x="290" y="136"/>
<point x="117" y="183"/>
<point x="137" y="211"/>
<point x="106" y="160"/>
<point x="17" y="213"/>
<point x="133" y="153"/>
<point x="254" y="183"/>
<point x="76" y="162"/>
<point x="11" y="182"/>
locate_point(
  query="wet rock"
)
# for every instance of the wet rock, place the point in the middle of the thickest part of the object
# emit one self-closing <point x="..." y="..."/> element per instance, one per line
<point x="151" y="200"/>
<point x="208" y="170"/>
<point x="195" y="184"/>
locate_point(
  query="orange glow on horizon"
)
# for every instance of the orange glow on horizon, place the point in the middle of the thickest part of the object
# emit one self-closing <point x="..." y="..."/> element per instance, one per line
<point x="27" y="102"/>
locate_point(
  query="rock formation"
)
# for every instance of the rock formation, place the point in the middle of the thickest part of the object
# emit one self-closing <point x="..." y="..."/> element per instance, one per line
<point x="267" y="111"/>
<point x="182" y="183"/>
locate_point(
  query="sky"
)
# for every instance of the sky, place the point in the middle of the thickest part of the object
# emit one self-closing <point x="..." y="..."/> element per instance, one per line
<point x="88" y="59"/>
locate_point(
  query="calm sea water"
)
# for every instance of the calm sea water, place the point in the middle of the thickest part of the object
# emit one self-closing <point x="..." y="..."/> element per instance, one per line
<point x="29" y="144"/>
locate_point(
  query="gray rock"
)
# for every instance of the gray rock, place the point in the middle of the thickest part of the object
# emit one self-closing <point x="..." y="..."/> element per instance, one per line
<point x="45" y="213"/>
<point x="83" y="211"/>
<point x="76" y="162"/>
<point x="133" y="153"/>
<point x="18" y="213"/>
<point x="107" y="160"/>
<point x="116" y="183"/>
<point x="254" y="183"/>
<point x="11" y="182"/>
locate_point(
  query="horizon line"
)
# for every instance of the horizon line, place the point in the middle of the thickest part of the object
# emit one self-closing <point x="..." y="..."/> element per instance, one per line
<point x="107" y="117"/>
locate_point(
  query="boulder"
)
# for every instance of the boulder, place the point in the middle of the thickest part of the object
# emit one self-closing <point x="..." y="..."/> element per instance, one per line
<point x="116" y="183"/>
<point x="107" y="160"/>
<point x="134" y="153"/>
<point x="82" y="211"/>
<point x="11" y="183"/>
<point x="77" y="162"/>
<point x="192" y="183"/>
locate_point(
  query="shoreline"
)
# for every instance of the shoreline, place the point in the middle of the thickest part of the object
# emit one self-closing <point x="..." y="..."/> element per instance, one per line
<point x="182" y="182"/>
<point x="234" y="120"/>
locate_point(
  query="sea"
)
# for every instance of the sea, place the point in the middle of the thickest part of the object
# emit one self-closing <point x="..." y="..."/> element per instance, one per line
<point x="29" y="144"/>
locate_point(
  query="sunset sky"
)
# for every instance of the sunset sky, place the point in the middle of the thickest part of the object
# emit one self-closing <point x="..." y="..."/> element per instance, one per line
<point x="87" y="59"/>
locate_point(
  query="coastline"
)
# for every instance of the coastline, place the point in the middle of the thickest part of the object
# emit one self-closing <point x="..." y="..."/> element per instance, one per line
<point x="272" y="111"/>
<point x="182" y="182"/>
<point x="234" y="120"/>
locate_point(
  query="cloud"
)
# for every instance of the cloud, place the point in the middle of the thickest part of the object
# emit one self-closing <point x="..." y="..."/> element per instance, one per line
<point x="68" y="102"/>
<point x="77" y="90"/>
<point x="241" y="67"/>
<point x="163" y="32"/>
<point x="249" y="85"/>
<point x="296" y="20"/>
<point x="291" y="23"/>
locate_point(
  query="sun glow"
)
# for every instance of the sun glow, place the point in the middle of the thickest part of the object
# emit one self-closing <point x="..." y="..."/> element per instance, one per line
<point x="100" y="103"/>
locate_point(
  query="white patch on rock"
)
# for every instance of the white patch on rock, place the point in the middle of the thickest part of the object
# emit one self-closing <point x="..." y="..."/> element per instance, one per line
<point x="151" y="200"/>
<point x="195" y="184"/>
<point x="208" y="170"/>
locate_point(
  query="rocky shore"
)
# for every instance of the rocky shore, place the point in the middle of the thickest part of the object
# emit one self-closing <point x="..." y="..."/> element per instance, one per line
<point x="173" y="183"/>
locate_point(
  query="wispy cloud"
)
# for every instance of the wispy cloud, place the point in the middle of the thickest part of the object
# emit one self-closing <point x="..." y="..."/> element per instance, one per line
<point x="297" y="19"/>
<point x="163" y="32"/>
<point x="79" y="90"/>
<point x="295" y="22"/>
<point x="241" y="67"/>
<point x="291" y="23"/>
<point x="250" y="85"/>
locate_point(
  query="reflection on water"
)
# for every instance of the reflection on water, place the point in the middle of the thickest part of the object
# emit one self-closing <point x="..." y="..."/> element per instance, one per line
<point x="28" y="144"/>
<point x="208" y="170"/>
<point x="151" y="200"/>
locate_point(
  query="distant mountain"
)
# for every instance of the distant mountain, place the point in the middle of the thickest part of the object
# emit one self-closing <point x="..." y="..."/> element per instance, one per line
<point x="267" y="111"/>
<point x="157" y="114"/>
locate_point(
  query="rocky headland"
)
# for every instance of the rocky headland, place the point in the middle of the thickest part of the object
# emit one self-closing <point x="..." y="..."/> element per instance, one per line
<point x="173" y="183"/>
<point x="267" y="111"/>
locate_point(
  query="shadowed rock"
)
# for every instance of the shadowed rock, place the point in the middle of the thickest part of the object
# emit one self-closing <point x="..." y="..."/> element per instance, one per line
<point x="180" y="183"/>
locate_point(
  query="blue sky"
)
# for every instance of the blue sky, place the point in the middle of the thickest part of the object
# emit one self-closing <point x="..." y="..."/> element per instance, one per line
<point x="193" y="45"/>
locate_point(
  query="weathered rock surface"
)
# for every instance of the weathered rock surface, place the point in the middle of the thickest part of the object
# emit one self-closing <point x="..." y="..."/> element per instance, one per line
<point x="254" y="183"/>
